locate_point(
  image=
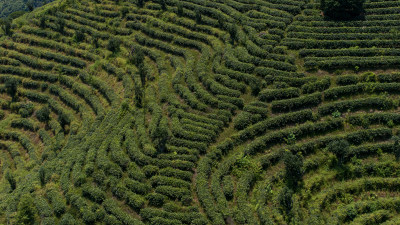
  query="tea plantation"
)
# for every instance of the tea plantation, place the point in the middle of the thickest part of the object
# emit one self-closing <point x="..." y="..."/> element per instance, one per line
<point x="197" y="112"/>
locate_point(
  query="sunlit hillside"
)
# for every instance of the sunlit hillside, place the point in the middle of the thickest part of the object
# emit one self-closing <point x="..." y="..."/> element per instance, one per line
<point x="199" y="112"/>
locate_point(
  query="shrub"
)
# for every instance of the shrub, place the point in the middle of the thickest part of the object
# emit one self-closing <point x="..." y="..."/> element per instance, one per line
<point x="297" y="103"/>
<point x="111" y="207"/>
<point x="285" y="199"/>
<point x="93" y="193"/>
<point x="79" y="35"/>
<point x="340" y="148"/>
<point x="124" y="11"/>
<point x="43" y="114"/>
<point x="114" y="44"/>
<point x="228" y="187"/>
<point x="342" y="9"/>
<point x="136" y="186"/>
<point x="60" y="24"/>
<point x="26" y="211"/>
<point x="150" y="170"/>
<point x="57" y="202"/>
<point x="357" y="104"/>
<point x="268" y="95"/>
<point x="11" y="179"/>
<point x="293" y="168"/>
<point x="156" y="199"/>
<point x="11" y="87"/>
<point x="140" y="3"/>
<point x="135" y="201"/>
<point x="6" y="26"/>
<point x="67" y="219"/>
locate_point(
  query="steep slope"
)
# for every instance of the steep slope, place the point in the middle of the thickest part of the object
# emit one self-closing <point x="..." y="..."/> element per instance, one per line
<point x="199" y="112"/>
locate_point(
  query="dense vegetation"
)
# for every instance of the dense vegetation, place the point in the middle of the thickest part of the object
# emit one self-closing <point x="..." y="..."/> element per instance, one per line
<point x="342" y="9"/>
<point x="199" y="112"/>
<point x="9" y="6"/>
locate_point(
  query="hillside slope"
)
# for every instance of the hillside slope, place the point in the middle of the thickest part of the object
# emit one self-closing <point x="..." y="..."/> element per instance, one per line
<point x="200" y="112"/>
<point x="7" y="7"/>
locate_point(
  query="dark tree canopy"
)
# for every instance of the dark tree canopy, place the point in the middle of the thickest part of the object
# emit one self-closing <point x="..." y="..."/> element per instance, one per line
<point x="294" y="168"/>
<point x="26" y="210"/>
<point x="11" y="86"/>
<point x="340" y="149"/>
<point x="43" y="114"/>
<point x="114" y="44"/>
<point x="9" y="6"/>
<point x="342" y="9"/>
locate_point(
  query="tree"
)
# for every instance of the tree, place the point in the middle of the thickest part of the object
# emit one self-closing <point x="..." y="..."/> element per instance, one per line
<point x="285" y="199"/>
<point x="43" y="114"/>
<point x="113" y="44"/>
<point x="342" y="9"/>
<point x="11" y="88"/>
<point x="42" y="22"/>
<point x="163" y="5"/>
<point x="60" y="24"/>
<point x="138" y="94"/>
<point x="79" y="35"/>
<point x="136" y="57"/>
<point x="233" y="32"/>
<point x="294" y="168"/>
<point x="140" y="3"/>
<point x="95" y="40"/>
<point x="198" y="16"/>
<point x="30" y="5"/>
<point x="26" y="210"/>
<point x="6" y="26"/>
<point x="160" y="135"/>
<point x="180" y="9"/>
<point x="64" y="119"/>
<point x="340" y="148"/>
<point x="396" y="147"/>
<point x="124" y="11"/>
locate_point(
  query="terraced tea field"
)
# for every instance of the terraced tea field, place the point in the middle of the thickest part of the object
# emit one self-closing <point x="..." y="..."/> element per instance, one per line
<point x="200" y="112"/>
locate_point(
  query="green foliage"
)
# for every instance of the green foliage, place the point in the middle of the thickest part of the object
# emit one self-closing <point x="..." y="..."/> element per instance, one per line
<point x="6" y="26"/>
<point x="30" y="5"/>
<point x="340" y="148"/>
<point x="163" y="4"/>
<point x="198" y="16"/>
<point x="228" y="187"/>
<point x="285" y="199"/>
<point x="114" y="44"/>
<point x="60" y="24"/>
<point x="11" y="179"/>
<point x="42" y="176"/>
<point x="79" y="35"/>
<point x="156" y="199"/>
<point x="183" y="119"/>
<point x="11" y="88"/>
<point x="342" y="9"/>
<point x="140" y="3"/>
<point x="180" y="9"/>
<point x="291" y="139"/>
<point x="43" y="114"/>
<point x="42" y="22"/>
<point x="8" y="7"/>
<point x="26" y="210"/>
<point x="293" y="168"/>
<point x="396" y="147"/>
<point x="336" y="114"/>
<point x="124" y="11"/>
